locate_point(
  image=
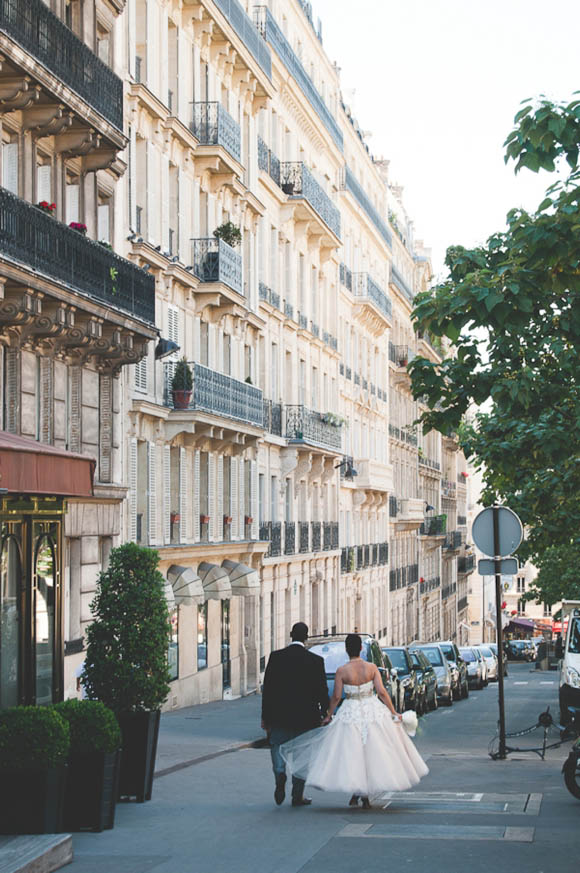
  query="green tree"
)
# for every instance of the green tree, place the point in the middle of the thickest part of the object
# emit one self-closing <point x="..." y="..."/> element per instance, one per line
<point x="557" y="577"/>
<point x="511" y="311"/>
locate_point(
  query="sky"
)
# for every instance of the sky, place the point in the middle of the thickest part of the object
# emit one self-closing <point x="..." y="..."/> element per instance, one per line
<point x="438" y="83"/>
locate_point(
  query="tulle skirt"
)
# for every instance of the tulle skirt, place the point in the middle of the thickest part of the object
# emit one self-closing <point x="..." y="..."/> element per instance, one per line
<point x="362" y="751"/>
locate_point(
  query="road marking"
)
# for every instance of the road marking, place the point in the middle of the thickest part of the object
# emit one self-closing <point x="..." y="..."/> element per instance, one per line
<point x="437" y="832"/>
<point x="520" y="683"/>
<point x="434" y="802"/>
<point x="534" y="804"/>
<point x="545" y="682"/>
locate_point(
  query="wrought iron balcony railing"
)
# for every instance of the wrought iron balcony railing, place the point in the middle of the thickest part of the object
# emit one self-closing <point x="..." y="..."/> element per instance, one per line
<point x="268" y="161"/>
<point x="383" y="553"/>
<point x="289" y="538"/>
<point x="433" y="526"/>
<point x="448" y="591"/>
<point x="462" y="604"/>
<point x="401" y="284"/>
<point x="428" y="585"/>
<point x="345" y="277"/>
<point x="246" y="30"/>
<point x="216" y="261"/>
<point x="393" y="506"/>
<point x="219" y="394"/>
<point x="356" y="379"/>
<point x="395" y="431"/>
<point x="365" y="286"/>
<point x="316" y="527"/>
<point x="268" y="27"/>
<point x="303" y="537"/>
<point x="296" y="180"/>
<point x="36" y="240"/>
<point x="326" y="536"/>
<point x="302" y="321"/>
<point x="462" y="478"/>
<point x="466" y="564"/>
<point x="275" y="538"/>
<point x="312" y="427"/>
<point x="429" y="462"/>
<point x="43" y="35"/>
<point x="347" y="560"/>
<point x="288" y="310"/>
<point x="453" y="540"/>
<point x="400" y="355"/>
<point x="334" y="535"/>
<point x="348" y="182"/>
<point x="211" y="124"/>
<point x="273" y="417"/>
<point x="448" y="488"/>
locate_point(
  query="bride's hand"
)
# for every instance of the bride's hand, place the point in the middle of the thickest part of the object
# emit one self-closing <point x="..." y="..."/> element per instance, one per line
<point x="326" y="720"/>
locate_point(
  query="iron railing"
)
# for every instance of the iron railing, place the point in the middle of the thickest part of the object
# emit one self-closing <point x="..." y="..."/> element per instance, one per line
<point x="334" y="535"/>
<point x="462" y="520"/>
<point x="304" y="424"/>
<point x="395" y="431"/>
<point x="365" y="286"/>
<point x="383" y="553"/>
<point x="41" y="33"/>
<point x="400" y="355"/>
<point x="448" y="591"/>
<point x="433" y="526"/>
<point x="347" y="559"/>
<point x="448" y="488"/>
<point x="462" y="479"/>
<point x="219" y="394"/>
<point x="296" y="180"/>
<point x="316" y="528"/>
<point x="211" y="124"/>
<point x="453" y="540"/>
<point x="303" y="536"/>
<point x="466" y="564"/>
<point x="348" y="182"/>
<point x="246" y="30"/>
<point x="401" y="284"/>
<point x="288" y="310"/>
<point x="268" y="27"/>
<point x="273" y="417"/>
<point x="268" y="161"/>
<point x="326" y="536"/>
<point x="356" y="379"/>
<point x="215" y="261"/>
<point x="314" y="329"/>
<point x="462" y="604"/>
<point x="428" y="585"/>
<point x="393" y="506"/>
<point x="348" y="373"/>
<point x="345" y="277"/>
<point x="34" y="239"/>
<point x="429" y="462"/>
<point x="290" y="538"/>
<point x="275" y="538"/>
<point x="302" y="321"/>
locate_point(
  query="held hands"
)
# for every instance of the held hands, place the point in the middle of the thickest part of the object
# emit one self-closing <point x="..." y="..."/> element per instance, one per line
<point x="326" y="720"/>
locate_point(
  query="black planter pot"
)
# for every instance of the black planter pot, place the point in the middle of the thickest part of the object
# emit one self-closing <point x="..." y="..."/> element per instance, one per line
<point x="140" y="731"/>
<point x="31" y="801"/>
<point x="92" y="785"/>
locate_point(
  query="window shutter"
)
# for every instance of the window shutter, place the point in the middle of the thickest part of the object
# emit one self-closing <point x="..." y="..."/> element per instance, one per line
<point x="220" y="498"/>
<point x="72" y="203"/>
<point x="10" y="166"/>
<point x="211" y="495"/>
<point x="166" y="494"/>
<point x="141" y="374"/>
<point x="12" y="395"/>
<point x="196" y="500"/>
<point x="241" y="491"/>
<point x="254" y="509"/>
<point x="75" y="409"/>
<point x="184" y="508"/>
<point x="104" y="228"/>
<point x="43" y="174"/>
<point x="234" y="482"/>
<point x="173" y="323"/>
<point x="152" y="493"/>
<point x="105" y="427"/>
<point x="133" y="489"/>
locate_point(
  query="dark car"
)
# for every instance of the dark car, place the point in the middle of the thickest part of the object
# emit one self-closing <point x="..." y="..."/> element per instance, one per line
<point x="427" y="679"/>
<point x="438" y="661"/>
<point x="332" y="650"/>
<point x="454" y="658"/>
<point x="406" y="676"/>
<point x="520" y="650"/>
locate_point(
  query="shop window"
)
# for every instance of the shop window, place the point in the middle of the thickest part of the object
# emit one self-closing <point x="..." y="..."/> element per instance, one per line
<point x="10" y="575"/>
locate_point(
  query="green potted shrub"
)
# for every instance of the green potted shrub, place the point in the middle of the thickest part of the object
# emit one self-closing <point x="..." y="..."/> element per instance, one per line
<point x="126" y="662"/>
<point x="34" y="745"/>
<point x="182" y="385"/>
<point x="92" y="777"/>
<point x="229" y="233"/>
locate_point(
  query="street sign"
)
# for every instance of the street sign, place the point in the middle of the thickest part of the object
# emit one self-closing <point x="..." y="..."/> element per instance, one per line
<point x="509" y="532"/>
<point x="507" y="567"/>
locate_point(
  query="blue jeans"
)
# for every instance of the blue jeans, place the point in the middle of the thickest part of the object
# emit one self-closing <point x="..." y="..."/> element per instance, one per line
<point x="277" y="737"/>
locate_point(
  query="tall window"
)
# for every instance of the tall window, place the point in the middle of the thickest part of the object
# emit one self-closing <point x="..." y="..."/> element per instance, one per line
<point x="10" y="162"/>
<point x="521" y="607"/>
<point x="202" y="636"/>
<point x="173" y="653"/>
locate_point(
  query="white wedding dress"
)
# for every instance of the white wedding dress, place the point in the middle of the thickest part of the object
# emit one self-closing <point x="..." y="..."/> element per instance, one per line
<point x="362" y="751"/>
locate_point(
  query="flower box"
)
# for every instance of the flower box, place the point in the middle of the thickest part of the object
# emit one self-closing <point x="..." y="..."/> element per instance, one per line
<point x="79" y="227"/>
<point x="204" y="519"/>
<point x="227" y="519"/>
<point x="248" y="519"/>
<point x="174" y="517"/>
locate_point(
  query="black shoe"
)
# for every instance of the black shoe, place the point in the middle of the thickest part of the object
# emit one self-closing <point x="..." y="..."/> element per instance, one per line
<point x="301" y="801"/>
<point x="353" y="800"/>
<point x="366" y="803"/>
<point x="280" y="793"/>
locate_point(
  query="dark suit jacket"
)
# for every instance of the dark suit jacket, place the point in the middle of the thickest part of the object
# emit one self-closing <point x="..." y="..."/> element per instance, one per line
<point x="295" y="693"/>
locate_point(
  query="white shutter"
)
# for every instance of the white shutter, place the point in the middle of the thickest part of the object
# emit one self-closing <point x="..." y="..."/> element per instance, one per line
<point x="196" y="501"/>
<point x="133" y="489"/>
<point x="234" y="482"/>
<point x="167" y="494"/>
<point x="211" y="495"/>
<point x="72" y="203"/>
<point x="165" y="197"/>
<point x="241" y="477"/>
<point x="43" y="174"/>
<point x="103" y="220"/>
<point x="254" y="508"/>
<point x="151" y="493"/>
<point x="220" y="498"/>
<point x="173" y="323"/>
<point x="151" y="191"/>
<point x="10" y="166"/>
<point x="141" y="374"/>
<point x="220" y="352"/>
<point x="183" y="497"/>
<point x="184" y="211"/>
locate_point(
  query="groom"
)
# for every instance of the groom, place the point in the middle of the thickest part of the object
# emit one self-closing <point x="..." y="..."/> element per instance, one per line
<point x="294" y="700"/>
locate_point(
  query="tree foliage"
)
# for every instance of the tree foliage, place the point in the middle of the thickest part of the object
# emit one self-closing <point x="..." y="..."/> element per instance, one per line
<point x="557" y="577"/>
<point x="511" y="310"/>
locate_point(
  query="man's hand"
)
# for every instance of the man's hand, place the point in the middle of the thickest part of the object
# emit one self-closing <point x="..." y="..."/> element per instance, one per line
<point x="326" y="720"/>
<point x="264" y="726"/>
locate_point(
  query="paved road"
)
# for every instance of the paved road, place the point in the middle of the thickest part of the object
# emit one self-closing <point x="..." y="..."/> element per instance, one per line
<point x="469" y="814"/>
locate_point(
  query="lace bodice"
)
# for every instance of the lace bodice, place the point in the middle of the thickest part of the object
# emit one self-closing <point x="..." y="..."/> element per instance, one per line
<point x="361" y="707"/>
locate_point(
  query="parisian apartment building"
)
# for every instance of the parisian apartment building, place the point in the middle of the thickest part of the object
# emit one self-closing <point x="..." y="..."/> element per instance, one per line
<point x="286" y="479"/>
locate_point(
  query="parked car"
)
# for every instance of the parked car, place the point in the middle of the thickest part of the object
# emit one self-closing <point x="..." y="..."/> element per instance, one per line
<point x="451" y="652"/>
<point x="406" y="676"/>
<point x="438" y="661"/>
<point x="520" y="650"/>
<point x="474" y="668"/>
<point x="491" y="661"/>
<point x="427" y="679"/>
<point x="332" y="650"/>
<point x="493" y="647"/>
<point x="482" y="664"/>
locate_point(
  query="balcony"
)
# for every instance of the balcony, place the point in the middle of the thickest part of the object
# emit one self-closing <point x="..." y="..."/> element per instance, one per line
<point x="290" y="538"/>
<point x="403" y="576"/>
<point x="393" y="506"/>
<point x="71" y="294"/>
<point x="214" y="127"/>
<point x="329" y="535"/>
<point x="316" y="528"/>
<point x="374" y="307"/>
<point x="428" y="585"/>
<point x="273" y="417"/>
<point x="428" y="465"/>
<point x="347" y="560"/>
<point x="218" y="394"/>
<point x="268" y="27"/>
<point x="399" y="283"/>
<point x="453" y="541"/>
<point x="466" y="564"/>
<point x="373" y="475"/>
<point x="70" y="72"/>
<point x="349" y="183"/>
<point x="434" y="526"/>
<point x="298" y="183"/>
<point x="245" y="29"/>
<point x="429" y="346"/>
<point x="214" y="261"/>
<point x="449" y="489"/>
<point x="304" y="425"/>
<point x="462" y="604"/>
<point x="303" y="537"/>
<point x="268" y="296"/>
<point x="268" y="162"/>
<point x="448" y="591"/>
<point x="410" y="513"/>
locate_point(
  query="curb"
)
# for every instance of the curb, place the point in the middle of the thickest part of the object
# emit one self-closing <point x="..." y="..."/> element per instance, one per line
<point x="260" y="743"/>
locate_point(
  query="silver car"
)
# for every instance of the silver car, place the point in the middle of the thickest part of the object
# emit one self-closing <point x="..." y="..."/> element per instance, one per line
<point x="474" y="667"/>
<point x="482" y="664"/>
<point x="491" y="662"/>
<point x="435" y="656"/>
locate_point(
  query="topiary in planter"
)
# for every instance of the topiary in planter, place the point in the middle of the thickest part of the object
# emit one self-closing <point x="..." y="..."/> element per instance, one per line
<point x="32" y="737"/>
<point x="93" y="727"/>
<point x="182" y="384"/>
<point x="229" y="232"/>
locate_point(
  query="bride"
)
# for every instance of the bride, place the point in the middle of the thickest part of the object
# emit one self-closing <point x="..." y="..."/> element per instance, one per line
<point x="364" y="751"/>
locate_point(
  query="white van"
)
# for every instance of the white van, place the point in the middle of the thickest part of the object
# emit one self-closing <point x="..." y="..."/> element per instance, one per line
<point x="570" y="665"/>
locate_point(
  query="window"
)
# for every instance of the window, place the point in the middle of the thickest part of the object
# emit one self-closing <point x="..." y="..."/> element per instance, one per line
<point x="521" y="585"/>
<point x="72" y="194"/>
<point x="547" y="610"/>
<point x="104" y="216"/>
<point x="141" y="374"/>
<point x="173" y="651"/>
<point x="104" y="44"/>
<point x="10" y="163"/>
<point x="202" y="636"/>
<point x="521" y="607"/>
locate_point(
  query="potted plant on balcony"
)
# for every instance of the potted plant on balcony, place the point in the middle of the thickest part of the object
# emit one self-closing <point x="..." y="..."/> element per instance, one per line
<point x="79" y="227"/>
<point x="47" y="207"/>
<point x="204" y="519"/>
<point x="92" y="774"/>
<point x="126" y="663"/>
<point x="229" y="233"/>
<point x="34" y="744"/>
<point x="182" y="385"/>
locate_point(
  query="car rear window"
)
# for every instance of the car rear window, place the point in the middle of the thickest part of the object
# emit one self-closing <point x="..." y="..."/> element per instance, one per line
<point x="433" y="655"/>
<point x="487" y="652"/>
<point x="467" y="655"/>
<point x="448" y="652"/>
<point x="334" y="654"/>
<point x="398" y="659"/>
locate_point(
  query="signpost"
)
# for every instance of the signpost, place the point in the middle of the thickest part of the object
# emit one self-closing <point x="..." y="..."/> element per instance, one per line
<point x="497" y="532"/>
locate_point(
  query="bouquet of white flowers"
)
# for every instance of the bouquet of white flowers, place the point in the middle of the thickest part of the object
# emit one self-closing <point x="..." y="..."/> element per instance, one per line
<point x="410" y="721"/>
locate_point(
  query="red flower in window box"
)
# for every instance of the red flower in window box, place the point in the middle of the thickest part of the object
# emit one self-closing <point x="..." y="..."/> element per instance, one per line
<point x="514" y="612"/>
<point x="78" y="226"/>
<point x="421" y="579"/>
<point x="204" y="519"/>
<point x="227" y="519"/>
<point x="174" y="517"/>
<point x="465" y="475"/>
<point x="46" y="206"/>
<point x="504" y="604"/>
<point x="248" y="519"/>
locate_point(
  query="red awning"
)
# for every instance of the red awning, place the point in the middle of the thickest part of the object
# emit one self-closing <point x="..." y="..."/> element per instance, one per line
<point x="30" y="467"/>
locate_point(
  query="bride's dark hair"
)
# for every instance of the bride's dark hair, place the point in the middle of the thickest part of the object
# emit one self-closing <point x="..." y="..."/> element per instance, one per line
<point x="353" y="645"/>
